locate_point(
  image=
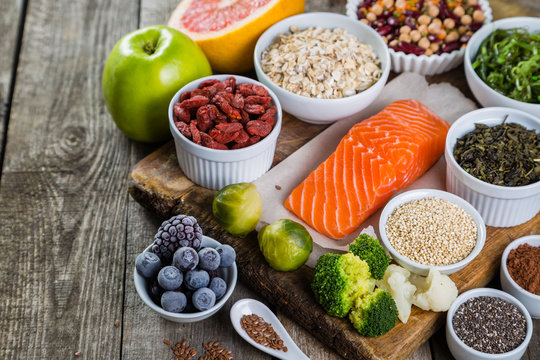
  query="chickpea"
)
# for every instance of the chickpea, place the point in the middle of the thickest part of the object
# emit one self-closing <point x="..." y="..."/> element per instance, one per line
<point x="462" y="29"/>
<point x="449" y="23"/>
<point x="377" y="9"/>
<point x="405" y="29"/>
<point x="466" y="19"/>
<point x="452" y="36"/>
<point x="434" y="47"/>
<point x="364" y="21"/>
<point x="459" y="11"/>
<point x="423" y="29"/>
<point x="428" y="52"/>
<point x="404" y="37"/>
<point x="433" y="11"/>
<point x="424" y="43"/>
<point x="434" y="29"/>
<point x="371" y="16"/>
<point x="478" y="16"/>
<point x="400" y="4"/>
<point x="415" y="35"/>
<point x="424" y="20"/>
<point x="436" y="21"/>
<point x="394" y="42"/>
<point x="388" y="3"/>
<point x="472" y="2"/>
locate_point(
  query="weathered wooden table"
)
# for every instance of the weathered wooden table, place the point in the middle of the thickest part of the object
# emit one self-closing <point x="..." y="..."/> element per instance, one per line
<point x="69" y="232"/>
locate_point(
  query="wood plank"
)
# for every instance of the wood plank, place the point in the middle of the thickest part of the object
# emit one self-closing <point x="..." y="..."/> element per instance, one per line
<point x="62" y="196"/>
<point x="11" y="17"/>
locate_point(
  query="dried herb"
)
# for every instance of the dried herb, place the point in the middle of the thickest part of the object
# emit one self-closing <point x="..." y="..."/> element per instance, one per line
<point x="505" y="154"/>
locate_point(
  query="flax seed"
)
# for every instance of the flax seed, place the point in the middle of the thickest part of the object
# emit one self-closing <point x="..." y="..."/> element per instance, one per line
<point x="262" y="332"/>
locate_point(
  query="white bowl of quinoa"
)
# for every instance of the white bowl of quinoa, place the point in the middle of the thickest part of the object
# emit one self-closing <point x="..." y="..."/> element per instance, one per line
<point x="323" y="67"/>
<point x="428" y="228"/>
<point x="439" y="29"/>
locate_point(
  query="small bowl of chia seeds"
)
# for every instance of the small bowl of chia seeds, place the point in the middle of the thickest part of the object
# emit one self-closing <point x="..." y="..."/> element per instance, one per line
<point x="428" y="228"/>
<point x="488" y="324"/>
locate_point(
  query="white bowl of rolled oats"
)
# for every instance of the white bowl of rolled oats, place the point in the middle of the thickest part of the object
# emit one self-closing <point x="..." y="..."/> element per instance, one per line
<point x="323" y="67"/>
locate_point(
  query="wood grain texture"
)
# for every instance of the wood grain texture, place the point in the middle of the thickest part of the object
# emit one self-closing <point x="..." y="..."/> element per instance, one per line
<point x="11" y="17"/>
<point x="62" y="196"/>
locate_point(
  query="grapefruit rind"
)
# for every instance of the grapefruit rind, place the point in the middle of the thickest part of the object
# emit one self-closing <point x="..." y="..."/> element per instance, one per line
<point x="230" y="50"/>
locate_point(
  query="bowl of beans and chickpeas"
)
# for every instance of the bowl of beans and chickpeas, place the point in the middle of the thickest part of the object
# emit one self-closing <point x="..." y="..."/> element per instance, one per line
<point x="423" y="36"/>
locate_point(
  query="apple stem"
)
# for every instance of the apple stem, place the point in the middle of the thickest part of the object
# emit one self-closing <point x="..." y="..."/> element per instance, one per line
<point x="149" y="48"/>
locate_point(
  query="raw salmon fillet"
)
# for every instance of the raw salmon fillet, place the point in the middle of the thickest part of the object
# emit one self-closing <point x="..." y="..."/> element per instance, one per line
<point x="376" y="158"/>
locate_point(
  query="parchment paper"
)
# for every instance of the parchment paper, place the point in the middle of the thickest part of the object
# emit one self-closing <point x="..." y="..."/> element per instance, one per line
<point x="446" y="100"/>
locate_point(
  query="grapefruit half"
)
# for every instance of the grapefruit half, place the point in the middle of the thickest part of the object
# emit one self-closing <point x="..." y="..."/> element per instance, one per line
<point x="227" y="30"/>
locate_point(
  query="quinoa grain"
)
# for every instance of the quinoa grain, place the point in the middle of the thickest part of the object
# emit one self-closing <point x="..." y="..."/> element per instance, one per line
<point x="431" y="231"/>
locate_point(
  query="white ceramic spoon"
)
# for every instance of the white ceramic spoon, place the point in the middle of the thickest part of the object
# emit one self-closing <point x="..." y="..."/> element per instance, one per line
<point x="251" y="306"/>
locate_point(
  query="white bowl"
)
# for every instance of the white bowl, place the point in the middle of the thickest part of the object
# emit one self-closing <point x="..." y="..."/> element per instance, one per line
<point x="228" y="274"/>
<point x="500" y="206"/>
<point x="530" y="300"/>
<point x="422" y="269"/>
<point x="483" y="93"/>
<point x="463" y="352"/>
<point x="423" y="65"/>
<point x="213" y="168"/>
<point x="324" y="111"/>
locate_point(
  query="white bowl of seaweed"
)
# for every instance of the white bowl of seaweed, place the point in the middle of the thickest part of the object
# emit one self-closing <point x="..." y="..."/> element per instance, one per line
<point x="501" y="64"/>
<point x="496" y="167"/>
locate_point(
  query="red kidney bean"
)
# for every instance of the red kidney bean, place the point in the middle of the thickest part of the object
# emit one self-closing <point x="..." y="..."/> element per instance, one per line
<point x="475" y="26"/>
<point x="379" y="23"/>
<point x="433" y="38"/>
<point x="385" y="14"/>
<point x="415" y="14"/>
<point x="392" y="21"/>
<point x="360" y="14"/>
<point x="410" y="22"/>
<point x="420" y="4"/>
<point x="451" y="46"/>
<point x="410" y="48"/>
<point x="384" y="30"/>
<point x="464" y="38"/>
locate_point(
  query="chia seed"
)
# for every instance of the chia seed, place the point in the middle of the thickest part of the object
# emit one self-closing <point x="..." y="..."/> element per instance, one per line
<point x="490" y="325"/>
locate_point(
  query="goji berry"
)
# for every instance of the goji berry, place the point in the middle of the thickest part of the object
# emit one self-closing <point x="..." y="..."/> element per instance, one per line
<point x="245" y="89"/>
<point x="208" y="82"/>
<point x="185" y="95"/>
<point x="245" y="117"/>
<point x="206" y="139"/>
<point x="184" y="129"/>
<point x="201" y="92"/>
<point x="254" y="108"/>
<point x="252" y="140"/>
<point x="238" y="101"/>
<point x="217" y="146"/>
<point x="195" y="134"/>
<point x="257" y="127"/>
<point x="229" y="127"/>
<point x="243" y="136"/>
<point x="230" y="84"/>
<point x="226" y="107"/>
<point x="194" y="102"/>
<point x="259" y="90"/>
<point x="268" y="116"/>
<point x="181" y="114"/>
<point x="203" y="118"/>
<point x="222" y="137"/>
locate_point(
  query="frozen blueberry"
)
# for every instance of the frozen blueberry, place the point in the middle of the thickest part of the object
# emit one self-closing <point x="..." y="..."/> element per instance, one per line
<point x="170" y="278"/>
<point x="155" y="291"/>
<point x="212" y="273"/>
<point x="185" y="259"/>
<point x="228" y="255"/>
<point x="196" y="279"/>
<point x="173" y="301"/>
<point x="218" y="286"/>
<point x="147" y="264"/>
<point x="209" y="259"/>
<point x="203" y="299"/>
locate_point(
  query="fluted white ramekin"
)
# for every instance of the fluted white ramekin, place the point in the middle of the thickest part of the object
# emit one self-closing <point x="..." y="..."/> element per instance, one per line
<point x="213" y="168"/>
<point x="422" y="64"/>
<point x="500" y="206"/>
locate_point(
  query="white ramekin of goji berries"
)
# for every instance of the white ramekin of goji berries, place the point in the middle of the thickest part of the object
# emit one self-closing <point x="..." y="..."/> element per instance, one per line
<point x="423" y="36"/>
<point x="225" y="129"/>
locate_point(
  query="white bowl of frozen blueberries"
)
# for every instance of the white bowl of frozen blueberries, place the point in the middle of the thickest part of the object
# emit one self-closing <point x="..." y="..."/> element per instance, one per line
<point x="183" y="275"/>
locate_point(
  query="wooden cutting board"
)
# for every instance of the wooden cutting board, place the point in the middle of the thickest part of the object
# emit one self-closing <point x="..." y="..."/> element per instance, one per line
<point x="158" y="184"/>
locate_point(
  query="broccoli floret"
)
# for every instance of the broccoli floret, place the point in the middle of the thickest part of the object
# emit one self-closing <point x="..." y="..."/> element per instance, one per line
<point x="368" y="249"/>
<point x="375" y="313"/>
<point x="338" y="280"/>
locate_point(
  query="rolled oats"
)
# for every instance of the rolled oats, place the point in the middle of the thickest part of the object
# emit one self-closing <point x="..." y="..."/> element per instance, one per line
<point x="321" y="63"/>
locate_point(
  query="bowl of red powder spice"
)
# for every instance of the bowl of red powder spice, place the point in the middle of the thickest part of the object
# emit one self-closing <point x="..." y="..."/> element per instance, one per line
<point x="520" y="272"/>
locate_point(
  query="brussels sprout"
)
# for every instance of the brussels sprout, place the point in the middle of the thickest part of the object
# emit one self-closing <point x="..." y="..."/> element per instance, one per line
<point x="285" y="244"/>
<point x="237" y="208"/>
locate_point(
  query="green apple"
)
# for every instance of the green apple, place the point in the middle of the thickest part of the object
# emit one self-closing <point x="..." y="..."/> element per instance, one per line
<point x="143" y="72"/>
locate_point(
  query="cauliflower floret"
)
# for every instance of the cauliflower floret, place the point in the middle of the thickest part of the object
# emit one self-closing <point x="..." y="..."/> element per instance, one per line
<point x="396" y="282"/>
<point x="436" y="292"/>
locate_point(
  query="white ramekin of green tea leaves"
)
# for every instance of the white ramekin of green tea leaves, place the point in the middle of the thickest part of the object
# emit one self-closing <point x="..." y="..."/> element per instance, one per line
<point x="493" y="161"/>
